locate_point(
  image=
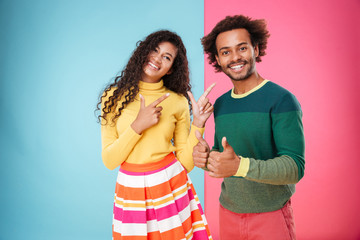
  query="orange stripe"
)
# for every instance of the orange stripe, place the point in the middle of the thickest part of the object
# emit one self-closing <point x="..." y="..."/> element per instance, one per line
<point x="150" y="203"/>
<point x="156" y="191"/>
<point x="132" y="167"/>
<point x="196" y="216"/>
<point x="129" y="192"/>
<point x="118" y="236"/>
<point x="175" y="233"/>
<point x="187" y="224"/>
<point x="154" y="235"/>
<point x="163" y="189"/>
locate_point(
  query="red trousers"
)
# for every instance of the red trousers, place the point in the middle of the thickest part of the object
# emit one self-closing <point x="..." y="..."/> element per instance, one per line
<point x="275" y="225"/>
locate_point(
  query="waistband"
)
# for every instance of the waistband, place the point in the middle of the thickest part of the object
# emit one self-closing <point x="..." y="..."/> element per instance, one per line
<point x="148" y="167"/>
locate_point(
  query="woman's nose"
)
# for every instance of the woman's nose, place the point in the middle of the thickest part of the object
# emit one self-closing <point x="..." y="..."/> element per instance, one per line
<point x="157" y="57"/>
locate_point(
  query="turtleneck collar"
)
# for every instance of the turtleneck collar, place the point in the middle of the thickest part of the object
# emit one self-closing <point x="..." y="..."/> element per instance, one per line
<point x="151" y="86"/>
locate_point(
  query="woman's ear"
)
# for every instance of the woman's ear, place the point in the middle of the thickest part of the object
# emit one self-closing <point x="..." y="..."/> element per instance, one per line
<point x="169" y="72"/>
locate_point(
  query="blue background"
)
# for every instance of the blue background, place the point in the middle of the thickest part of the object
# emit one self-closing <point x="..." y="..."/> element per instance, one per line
<point x="56" y="57"/>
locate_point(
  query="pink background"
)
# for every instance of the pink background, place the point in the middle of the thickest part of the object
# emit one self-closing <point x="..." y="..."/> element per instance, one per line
<point x="313" y="52"/>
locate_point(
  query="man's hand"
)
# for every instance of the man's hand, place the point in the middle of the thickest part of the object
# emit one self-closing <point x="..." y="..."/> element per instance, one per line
<point x="200" y="151"/>
<point x="224" y="164"/>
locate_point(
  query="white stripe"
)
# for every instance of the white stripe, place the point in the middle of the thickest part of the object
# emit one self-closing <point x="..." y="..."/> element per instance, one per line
<point x="141" y="229"/>
<point x="130" y="229"/>
<point x="151" y="180"/>
<point x="163" y="176"/>
<point x="169" y="223"/>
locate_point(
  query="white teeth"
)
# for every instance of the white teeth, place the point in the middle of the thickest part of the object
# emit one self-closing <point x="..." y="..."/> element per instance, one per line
<point x="237" y="67"/>
<point x="151" y="64"/>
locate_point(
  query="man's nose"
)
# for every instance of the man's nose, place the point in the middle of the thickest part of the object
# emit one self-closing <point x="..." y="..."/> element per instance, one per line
<point x="236" y="56"/>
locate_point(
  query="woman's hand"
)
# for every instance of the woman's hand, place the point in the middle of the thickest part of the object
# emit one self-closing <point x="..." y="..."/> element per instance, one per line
<point x="148" y="116"/>
<point x="201" y="109"/>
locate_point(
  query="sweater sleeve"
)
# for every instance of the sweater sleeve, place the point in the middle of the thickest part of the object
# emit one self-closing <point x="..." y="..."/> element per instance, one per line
<point x="185" y="139"/>
<point x="288" y="166"/>
<point x="116" y="147"/>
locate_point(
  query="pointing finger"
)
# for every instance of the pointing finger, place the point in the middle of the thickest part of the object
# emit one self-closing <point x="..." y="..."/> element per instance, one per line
<point x="142" y="101"/>
<point x="208" y="90"/>
<point x="198" y="135"/>
<point x="200" y="138"/>
<point x="159" y="100"/>
<point x="192" y="99"/>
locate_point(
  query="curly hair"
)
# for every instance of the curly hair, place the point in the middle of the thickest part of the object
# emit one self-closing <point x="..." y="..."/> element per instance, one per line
<point x="126" y="84"/>
<point x="257" y="29"/>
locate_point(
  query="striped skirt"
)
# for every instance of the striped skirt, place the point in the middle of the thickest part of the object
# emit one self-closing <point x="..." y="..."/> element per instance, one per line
<point x="157" y="201"/>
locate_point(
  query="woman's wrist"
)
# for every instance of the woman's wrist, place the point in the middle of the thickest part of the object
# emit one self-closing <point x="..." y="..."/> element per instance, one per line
<point x="198" y="123"/>
<point x="136" y="128"/>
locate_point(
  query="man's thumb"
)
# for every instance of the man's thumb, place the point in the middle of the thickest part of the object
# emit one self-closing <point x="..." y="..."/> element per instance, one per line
<point x="225" y="144"/>
<point x="200" y="138"/>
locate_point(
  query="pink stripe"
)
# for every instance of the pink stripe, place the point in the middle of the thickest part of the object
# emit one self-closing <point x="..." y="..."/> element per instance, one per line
<point x="132" y="216"/>
<point x="146" y="173"/>
<point x="200" y="235"/>
<point x="200" y="209"/>
<point x="129" y="216"/>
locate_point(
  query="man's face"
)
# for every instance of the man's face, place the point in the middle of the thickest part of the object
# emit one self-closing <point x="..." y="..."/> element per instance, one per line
<point x="236" y="55"/>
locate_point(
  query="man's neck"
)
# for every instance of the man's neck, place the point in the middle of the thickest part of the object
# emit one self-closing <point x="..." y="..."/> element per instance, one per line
<point x="243" y="86"/>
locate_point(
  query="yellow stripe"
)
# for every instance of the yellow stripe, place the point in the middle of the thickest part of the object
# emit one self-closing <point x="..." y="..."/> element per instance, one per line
<point x="233" y="95"/>
<point x="134" y="205"/>
<point x="146" y="204"/>
<point x="243" y="167"/>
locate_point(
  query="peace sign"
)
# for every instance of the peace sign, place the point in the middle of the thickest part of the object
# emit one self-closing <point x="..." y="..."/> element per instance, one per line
<point x="202" y="109"/>
<point x="149" y="115"/>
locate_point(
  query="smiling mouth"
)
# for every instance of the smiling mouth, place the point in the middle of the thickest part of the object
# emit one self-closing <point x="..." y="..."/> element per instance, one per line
<point x="153" y="66"/>
<point x="236" y="67"/>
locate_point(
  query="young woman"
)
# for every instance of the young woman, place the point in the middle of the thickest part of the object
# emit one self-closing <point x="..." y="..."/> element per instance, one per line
<point x="145" y="119"/>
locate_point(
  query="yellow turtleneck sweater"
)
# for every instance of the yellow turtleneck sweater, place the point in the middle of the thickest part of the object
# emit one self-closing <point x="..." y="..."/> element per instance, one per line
<point x="121" y="143"/>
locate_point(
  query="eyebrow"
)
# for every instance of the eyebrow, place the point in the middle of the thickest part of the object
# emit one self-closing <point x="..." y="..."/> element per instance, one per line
<point x="169" y="54"/>
<point x="242" y="43"/>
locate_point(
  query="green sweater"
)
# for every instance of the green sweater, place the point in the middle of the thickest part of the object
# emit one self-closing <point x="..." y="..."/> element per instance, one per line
<point x="264" y="127"/>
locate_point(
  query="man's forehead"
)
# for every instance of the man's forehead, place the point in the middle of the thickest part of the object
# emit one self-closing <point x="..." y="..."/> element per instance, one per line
<point x="233" y="37"/>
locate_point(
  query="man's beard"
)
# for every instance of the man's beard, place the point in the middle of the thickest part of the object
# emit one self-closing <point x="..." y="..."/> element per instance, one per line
<point x="248" y="73"/>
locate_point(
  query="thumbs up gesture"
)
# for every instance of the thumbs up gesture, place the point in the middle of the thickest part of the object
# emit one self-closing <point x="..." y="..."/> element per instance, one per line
<point x="200" y="151"/>
<point x="223" y="164"/>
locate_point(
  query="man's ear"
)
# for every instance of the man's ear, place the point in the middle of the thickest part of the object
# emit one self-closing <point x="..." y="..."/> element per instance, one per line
<point x="217" y="59"/>
<point x="256" y="50"/>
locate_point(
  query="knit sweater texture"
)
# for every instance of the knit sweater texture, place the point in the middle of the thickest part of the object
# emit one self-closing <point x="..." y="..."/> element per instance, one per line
<point x="264" y="127"/>
<point x="171" y="134"/>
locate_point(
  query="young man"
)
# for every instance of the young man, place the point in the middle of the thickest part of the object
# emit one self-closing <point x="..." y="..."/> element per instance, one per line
<point x="259" y="142"/>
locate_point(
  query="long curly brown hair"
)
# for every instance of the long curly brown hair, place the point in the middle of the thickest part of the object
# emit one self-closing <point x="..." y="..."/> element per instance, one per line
<point x="257" y="29"/>
<point x="126" y="84"/>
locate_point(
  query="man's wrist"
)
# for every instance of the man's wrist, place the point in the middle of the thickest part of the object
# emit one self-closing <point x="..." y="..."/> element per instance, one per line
<point x="243" y="166"/>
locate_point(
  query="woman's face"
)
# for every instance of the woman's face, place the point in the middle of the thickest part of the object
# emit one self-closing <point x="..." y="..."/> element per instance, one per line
<point x="159" y="62"/>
